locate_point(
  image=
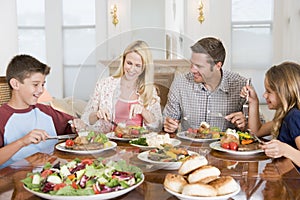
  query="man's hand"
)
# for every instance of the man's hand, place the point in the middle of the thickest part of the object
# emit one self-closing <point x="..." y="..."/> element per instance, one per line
<point x="238" y="119"/>
<point x="170" y="125"/>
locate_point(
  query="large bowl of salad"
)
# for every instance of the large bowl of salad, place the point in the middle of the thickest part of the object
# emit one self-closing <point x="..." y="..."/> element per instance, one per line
<point x="84" y="179"/>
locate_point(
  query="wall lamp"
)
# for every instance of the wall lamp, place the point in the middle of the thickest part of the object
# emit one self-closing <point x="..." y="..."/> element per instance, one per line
<point x="113" y="12"/>
<point x="201" y="15"/>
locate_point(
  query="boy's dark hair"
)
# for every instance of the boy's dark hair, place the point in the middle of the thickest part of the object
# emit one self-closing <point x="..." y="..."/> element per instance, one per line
<point x="212" y="47"/>
<point x="22" y="66"/>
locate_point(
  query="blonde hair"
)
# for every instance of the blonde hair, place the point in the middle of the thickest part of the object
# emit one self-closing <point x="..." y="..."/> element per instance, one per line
<point x="145" y="80"/>
<point x="284" y="79"/>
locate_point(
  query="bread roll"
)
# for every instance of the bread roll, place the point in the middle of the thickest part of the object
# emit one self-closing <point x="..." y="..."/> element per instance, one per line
<point x="192" y="163"/>
<point x="175" y="182"/>
<point x="204" y="174"/>
<point x="199" y="189"/>
<point x="224" y="185"/>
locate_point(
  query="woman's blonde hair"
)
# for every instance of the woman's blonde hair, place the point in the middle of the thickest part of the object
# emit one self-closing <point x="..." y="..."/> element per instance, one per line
<point x="284" y="79"/>
<point x="145" y="83"/>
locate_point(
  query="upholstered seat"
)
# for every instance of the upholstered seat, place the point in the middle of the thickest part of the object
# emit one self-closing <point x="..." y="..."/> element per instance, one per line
<point x="5" y="92"/>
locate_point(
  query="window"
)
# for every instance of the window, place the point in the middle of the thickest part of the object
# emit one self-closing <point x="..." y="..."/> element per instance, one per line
<point x="79" y="43"/>
<point x="252" y="39"/>
<point x="31" y="28"/>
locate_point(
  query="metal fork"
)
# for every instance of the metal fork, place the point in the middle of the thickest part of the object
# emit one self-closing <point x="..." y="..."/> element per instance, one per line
<point x="245" y="105"/>
<point x="255" y="136"/>
<point x="216" y="114"/>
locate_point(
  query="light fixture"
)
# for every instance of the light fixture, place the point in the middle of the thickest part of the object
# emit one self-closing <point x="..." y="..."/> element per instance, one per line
<point x="201" y="15"/>
<point x="113" y="13"/>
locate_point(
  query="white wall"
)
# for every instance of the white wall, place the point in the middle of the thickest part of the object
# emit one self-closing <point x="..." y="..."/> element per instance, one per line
<point x="8" y="33"/>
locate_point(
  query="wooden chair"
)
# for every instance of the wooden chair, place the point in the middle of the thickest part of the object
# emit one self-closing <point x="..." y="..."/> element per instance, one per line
<point x="5" y="91"/>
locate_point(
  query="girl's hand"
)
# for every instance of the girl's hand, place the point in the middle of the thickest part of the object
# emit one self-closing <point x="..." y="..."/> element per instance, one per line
<point x="249" y="90"/>
<point x="274" y="148"/>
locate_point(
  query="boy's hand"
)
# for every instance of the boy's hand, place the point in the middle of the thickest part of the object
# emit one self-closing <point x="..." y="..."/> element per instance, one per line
<point x="78" y="125"/>
<point x="35" y="136"/>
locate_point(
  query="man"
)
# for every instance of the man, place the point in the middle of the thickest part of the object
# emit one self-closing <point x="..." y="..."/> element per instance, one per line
<point x="207" y="93"/>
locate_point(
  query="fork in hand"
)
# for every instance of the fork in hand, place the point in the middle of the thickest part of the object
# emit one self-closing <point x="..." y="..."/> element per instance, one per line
<point x="245" y="105"/>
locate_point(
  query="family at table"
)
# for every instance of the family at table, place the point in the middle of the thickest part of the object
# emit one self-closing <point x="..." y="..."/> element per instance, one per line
<point x="130" y="96"/>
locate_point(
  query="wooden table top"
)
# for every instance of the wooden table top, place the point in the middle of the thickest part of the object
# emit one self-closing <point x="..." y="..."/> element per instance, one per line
<point x="258" y="176"/>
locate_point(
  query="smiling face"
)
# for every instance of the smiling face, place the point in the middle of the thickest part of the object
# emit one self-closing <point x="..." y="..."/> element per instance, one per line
<point x="28" y="92"/>
<point x="202" y="70"/>
<point x="271" y="97"/>
<point x="133" y="66"/>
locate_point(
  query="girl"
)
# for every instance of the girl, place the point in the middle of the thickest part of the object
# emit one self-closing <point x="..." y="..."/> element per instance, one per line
<point x="282" y="84"/>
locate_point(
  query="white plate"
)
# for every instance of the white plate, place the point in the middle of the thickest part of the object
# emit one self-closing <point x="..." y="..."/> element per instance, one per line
<point x="217" y="146"/>
<point x="61" y="147"/>
<point x="187" y="197"/>
<point x="111" y="135"/>
<point x="165" y="165"/>
<point x="174" y="142"/>
<point x="183" y="136"/>
<point x="109" y="195"/>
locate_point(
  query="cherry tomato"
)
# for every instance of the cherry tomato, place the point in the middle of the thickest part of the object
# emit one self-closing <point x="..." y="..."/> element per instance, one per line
<point x="190" y="130"/>
<point x="233" y="146"/>
<point x="74" y="185"/>
<point x="69" y="143"/>
<point x="195" y="130"/>
<point x="46" y="173"/>
<point x="59" y="186"/>
<point x="119" y="135"/>
<point x="225" y="145"/>
<point x="87" y="161"/>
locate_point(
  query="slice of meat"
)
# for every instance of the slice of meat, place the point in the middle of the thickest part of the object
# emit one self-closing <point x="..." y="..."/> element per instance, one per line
<point x="248" y="147"/>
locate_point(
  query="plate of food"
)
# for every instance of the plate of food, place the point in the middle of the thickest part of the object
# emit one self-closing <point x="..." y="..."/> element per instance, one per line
<point x="84" y="179"/>
<point x="197" y="180"/>
<point x="205" y="133"/>
<point x="190" y="197"/>
<point x="92" y="143"/>
<point x="238" y="143"/>
<point x="127" y="133"/>
<point x="169" y="158"/>
<point x="154" y="140"/>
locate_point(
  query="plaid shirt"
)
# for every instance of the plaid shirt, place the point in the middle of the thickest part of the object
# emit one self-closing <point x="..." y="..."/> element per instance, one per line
<point x="189" y="99"/>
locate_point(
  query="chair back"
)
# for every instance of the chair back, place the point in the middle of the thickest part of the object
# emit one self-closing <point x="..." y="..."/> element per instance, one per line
<point x="5" y="92"/>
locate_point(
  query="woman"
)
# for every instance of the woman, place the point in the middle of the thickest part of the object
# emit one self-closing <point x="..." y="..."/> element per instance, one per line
<point x="129" y="96"/>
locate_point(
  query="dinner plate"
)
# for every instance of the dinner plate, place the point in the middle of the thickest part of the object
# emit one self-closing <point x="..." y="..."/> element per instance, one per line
<point x="174" y="142"/>
<point x="187" y="197"/>
<point x="217" y="146"/>
<point x="111" y="135"/>
<point x="103" y="196"/>
<point x="182" y="135"/>
<point x="165" y="165"/>
<point x="61" y="147"/>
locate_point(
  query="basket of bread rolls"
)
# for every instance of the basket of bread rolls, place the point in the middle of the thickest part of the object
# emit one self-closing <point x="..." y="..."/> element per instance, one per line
<point x="198" y="180"/>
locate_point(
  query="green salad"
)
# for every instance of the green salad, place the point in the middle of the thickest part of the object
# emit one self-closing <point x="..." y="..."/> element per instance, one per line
<point x="83" y="177"/>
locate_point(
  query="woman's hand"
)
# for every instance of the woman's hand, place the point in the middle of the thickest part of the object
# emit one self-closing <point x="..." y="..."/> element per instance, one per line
<point x="104" y="114"/>
<point x="135" y="109"/>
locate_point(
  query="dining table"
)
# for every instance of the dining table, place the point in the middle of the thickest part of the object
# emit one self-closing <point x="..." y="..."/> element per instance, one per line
<point x="259" y="176"/>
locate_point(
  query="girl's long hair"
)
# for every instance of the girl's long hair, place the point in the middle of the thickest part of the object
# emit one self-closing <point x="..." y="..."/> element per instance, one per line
<point x="284" y="79"/>
<point x="145" y="82"/>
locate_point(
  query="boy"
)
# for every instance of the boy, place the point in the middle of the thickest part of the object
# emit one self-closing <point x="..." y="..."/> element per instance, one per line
<point x="25" y="124"/>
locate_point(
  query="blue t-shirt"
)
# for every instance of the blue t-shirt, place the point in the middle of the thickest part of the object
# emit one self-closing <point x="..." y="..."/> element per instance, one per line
<point x="290" y="128"/>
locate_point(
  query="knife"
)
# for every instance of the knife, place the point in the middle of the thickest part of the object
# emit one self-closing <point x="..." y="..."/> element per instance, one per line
<point x="62" y="137"/>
